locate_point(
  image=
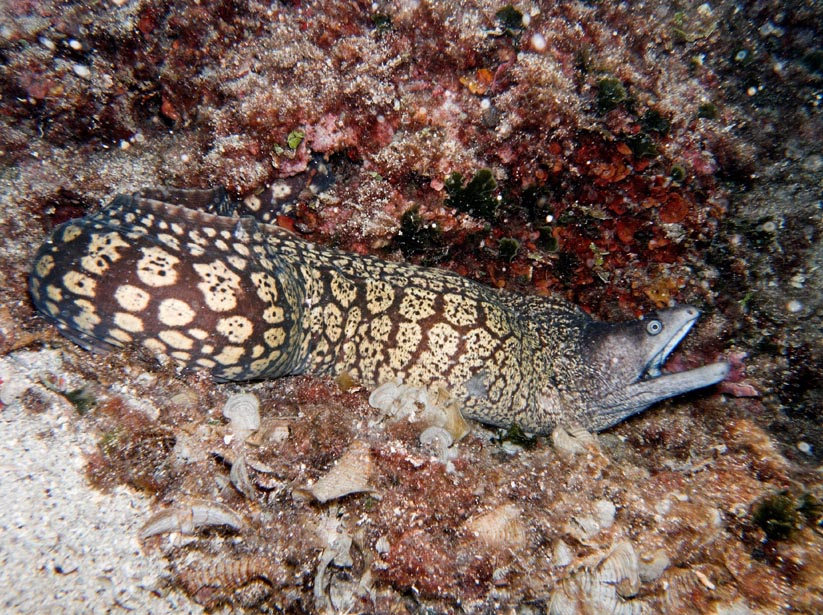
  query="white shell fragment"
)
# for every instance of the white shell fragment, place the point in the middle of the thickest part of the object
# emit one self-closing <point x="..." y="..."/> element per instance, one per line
<point x="437" y="438"/>
<point x="584" y="527"/>
<point x="383" y="396"/>
<point x="432" y="406"/>
<point x="272" y="431"/>
<point x="349" y="475"/>
<point x="243" y="411"/>
<point x="239" y="477"/>
<point x="188" y="520"/>
<point x="604" y="512"/>
<point x="439" y="441"/>
<point x="621" y="570"/>
<point x="654" y="569"/>
<point x="574" y="440"/>
<point x="334" y="593"/>
<point x="606" y="587"/>
<point x="382" y="546"/>
<point x="561" y="554"/>
<point x="500" y="528"/>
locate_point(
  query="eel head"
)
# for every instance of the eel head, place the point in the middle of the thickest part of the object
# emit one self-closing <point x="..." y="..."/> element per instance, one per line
<point x="626" y="361"/>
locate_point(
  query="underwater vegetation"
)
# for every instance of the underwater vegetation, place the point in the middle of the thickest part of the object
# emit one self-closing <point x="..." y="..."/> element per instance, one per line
<point x="476" y="196"/>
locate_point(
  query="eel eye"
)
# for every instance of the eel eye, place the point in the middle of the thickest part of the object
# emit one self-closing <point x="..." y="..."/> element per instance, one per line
<point x="653" y="327"/>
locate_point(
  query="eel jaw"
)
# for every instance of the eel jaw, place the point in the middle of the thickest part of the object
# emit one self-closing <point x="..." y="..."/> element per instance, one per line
<point x="638" y="396"/>
<point x="671" y="385"/>
<point x="656" y="362"/>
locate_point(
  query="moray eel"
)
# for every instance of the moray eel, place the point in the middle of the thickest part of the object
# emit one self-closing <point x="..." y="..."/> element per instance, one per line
<point x="167" y="270"/>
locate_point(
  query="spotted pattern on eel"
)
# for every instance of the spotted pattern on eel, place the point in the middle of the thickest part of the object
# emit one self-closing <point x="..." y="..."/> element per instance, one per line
<point x="248" y="300"/>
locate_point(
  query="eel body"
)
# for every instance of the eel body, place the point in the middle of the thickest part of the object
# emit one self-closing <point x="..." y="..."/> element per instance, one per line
<point x="165" y="270"/>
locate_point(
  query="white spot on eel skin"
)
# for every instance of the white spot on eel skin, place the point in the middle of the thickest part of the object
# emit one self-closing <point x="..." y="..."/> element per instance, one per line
<point x="236" y="328"/>
<point x="218" y="286"/>
<point x="131" y="298"/>
<point x="156" y="268"/>
<point x="175" y="339"/>
<point x="80" y="284"/>
<point x="101" y="251"/>
<point x="128" y="322"/>
<point x="175" y="313"/>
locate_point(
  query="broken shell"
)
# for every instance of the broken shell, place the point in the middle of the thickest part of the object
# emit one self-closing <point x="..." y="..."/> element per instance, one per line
<point x="401" y="401"/>
<point x="574" y="440"/>
<point x="270" y="432"/>
<point x="386" y="396"/>
<point x="436" y="436"/>
<point x="685" y="586"/>
<point x="438" y="440"/>
<point x="382" y="545"/>
<point x="259" y="466"/>
<point x="279" y="433"/>
<point x="583" y="528"/>
<point x="607" y="587"/>
<point x="246" y="580"/>
<point x="239" y="477"/>
<point x="350" y="474"/>
<point x="433" y="406"/>
<point x="186" y="399"/>
<point x="456" y="425"/>
<point x="343" y="593"/>
<point x="653" y="570"/>
<point x="621" y="570"/>
<point x="243" y="410"/>
<point x="187" y="520"/>
<point x="338" y="544"/>
<point x="500" y="528"/>
<point x="604" y="512"/>
<point x="453" y="420"/>
<point x="561" y="554"/>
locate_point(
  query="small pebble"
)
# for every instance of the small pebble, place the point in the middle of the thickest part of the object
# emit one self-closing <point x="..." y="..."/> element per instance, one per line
<point x="605" y="512"/>
<point x="813" y="163"/>
<point x="81" y="70"/>
<point x="794" y="306"/>
<point x="382" y="545"/>
<point x="804" y="447"/>
<point x="798" y="280"/>
<point x="705" y="10"/>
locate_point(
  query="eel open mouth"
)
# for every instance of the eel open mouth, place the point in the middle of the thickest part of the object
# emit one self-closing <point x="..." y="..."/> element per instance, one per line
<point x="655" y="365"/>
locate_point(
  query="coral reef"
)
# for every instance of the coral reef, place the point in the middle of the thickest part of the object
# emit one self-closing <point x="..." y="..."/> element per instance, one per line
<point x="627" y="156"/>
